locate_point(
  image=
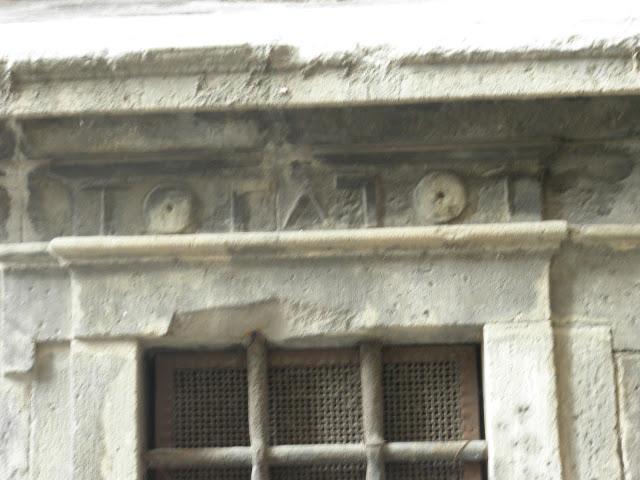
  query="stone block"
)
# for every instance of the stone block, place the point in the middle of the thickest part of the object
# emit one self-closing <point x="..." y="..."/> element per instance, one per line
<point x="525" y="199"/>
<point x="105" y="392"/>
<point x="14" y="428"/>
<point x="594" y="187"/>
<point x="50" y="446"/>
<point x="357" y="295"/>
<point x="587" y="403"/>
<point x="36" y="307"/>
<point x="520" y="402"/>
<point x="629" y="398"/>
<point x="598" y="285"/>
<point x="164" y="135"/>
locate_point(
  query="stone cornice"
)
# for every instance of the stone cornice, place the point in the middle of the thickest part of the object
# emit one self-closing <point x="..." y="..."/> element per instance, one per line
<point x="311" y="55"/>
<point x="58" y="87"/>
<point x="492" y="237"/>
<point x="526" y="236"/>
<point x="618" y="237"/>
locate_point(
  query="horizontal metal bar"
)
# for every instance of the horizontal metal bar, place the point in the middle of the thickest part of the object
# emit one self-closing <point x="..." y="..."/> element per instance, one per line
<point x="465" y="451"/>
<point x="316" y="454"/>
<point x="171" y="458"/>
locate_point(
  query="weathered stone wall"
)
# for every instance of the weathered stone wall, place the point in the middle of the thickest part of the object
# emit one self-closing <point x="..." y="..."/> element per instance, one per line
<point x="510" y="224"/>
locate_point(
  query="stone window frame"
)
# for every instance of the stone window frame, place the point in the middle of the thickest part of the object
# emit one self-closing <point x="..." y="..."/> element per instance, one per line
<point x="108" y="328"/>
<point x="374" y="452"/>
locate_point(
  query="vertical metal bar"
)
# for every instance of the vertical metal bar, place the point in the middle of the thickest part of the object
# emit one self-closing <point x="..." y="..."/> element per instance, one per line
<point x="258" y="406"/>
<point x="372" y="408"/>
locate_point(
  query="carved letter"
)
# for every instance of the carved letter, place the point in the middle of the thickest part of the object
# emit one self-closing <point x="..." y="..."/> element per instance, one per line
<point x="94" y="215"/>
<point x="367" y="186"/>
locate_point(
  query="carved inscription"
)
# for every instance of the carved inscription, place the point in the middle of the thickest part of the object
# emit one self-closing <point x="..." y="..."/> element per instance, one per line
<point x="137" y="200"/>
<point x="94" y="212"/>
<point x="367" y="190"/>
<point x="304" y="212"/>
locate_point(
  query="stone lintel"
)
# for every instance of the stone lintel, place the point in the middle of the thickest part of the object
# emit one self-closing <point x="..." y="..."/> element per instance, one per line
<point x="114" y="287"/>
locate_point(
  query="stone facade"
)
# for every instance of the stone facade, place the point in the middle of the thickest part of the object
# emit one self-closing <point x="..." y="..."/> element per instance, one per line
<point x="321" y="203"/>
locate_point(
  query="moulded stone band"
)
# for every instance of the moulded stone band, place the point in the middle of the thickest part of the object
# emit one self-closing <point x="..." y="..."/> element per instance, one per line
<point x="617" y="236"/>
<point x="534" y="236"/>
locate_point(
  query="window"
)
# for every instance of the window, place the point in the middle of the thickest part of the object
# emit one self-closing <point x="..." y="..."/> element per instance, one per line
<point x="337" y="414"/>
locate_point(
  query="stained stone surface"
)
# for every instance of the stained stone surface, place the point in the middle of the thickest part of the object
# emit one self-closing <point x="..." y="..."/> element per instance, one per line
<point x="331" y="168"/>
<point x="599" y="285"/>
<point x="51" y="418"/>
<point x="15" y="427"/>
<point x="507" y="223"/>
<point x="37" y="308"/>
<point x="595" y="192"/>
<point x="587" y="403"/>
<point x="521" y="413"/>
<point x="105" y="385"/>
<point x="629" y="395"/>
<point x="292" y="62"/>
<point x="413" y="293"/>
<point x="7" y="141"/>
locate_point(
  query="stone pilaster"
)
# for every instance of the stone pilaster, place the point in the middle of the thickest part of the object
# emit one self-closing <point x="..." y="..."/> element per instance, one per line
<point x="587" y="402"/>
<point x="106" y="415"/>
<point x="14" y="428"/>
<point x="629" y="398"/>
<point x="520" y="402"/>
<point x="50" y="439"/>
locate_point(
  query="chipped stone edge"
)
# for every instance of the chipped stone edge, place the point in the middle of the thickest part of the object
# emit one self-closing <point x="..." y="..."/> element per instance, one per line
<point x="533" y="236"/>
<point x="272" y="76"/>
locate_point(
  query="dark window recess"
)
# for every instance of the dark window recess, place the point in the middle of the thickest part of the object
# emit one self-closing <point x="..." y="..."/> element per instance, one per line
<point x="374" y="413"/>
<point x="314" y="397"/>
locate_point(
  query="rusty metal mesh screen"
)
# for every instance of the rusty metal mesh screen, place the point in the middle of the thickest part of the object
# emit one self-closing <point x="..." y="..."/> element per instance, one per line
<point x="210" y="408"/>
<point x="315" y="404"/>
<point x="319" y="472"/>
<point x="315" y="397"/>
<point x="207" y="474"/>
<point x="422" y="401"/>
<point x="424" y="471"/>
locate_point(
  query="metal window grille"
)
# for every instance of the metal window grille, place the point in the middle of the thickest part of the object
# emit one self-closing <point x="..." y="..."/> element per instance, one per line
<point x="400" y="413"/>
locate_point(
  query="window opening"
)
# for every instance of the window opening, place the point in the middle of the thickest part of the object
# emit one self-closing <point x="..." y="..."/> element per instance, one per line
<point x="371" y="413"/>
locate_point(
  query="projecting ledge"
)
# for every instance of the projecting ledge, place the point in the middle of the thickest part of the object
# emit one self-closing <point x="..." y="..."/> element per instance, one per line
<point x="539" y="236"/>
<point x="616" y="236"/>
